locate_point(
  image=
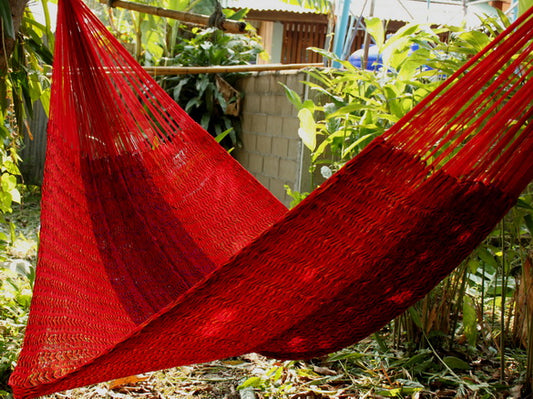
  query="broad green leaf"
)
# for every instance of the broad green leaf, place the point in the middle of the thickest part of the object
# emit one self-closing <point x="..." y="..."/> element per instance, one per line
<point x="469" y="320"/>
<point x="205" y="120"/>
<point x="5" y="201"/>
<point x="424" y="354"/>
<point x="6" y="19"/>
<point x="346" y="354"/>
<point x="409" y="69"/>
<point x="374" y="27"/>
<point x="222" y="135"/>
<point x="8" y="182"/>
<point x="252" y="382"/>
<point x="307" y="130"/>
<point x="528" y="219"/>
<point x="15" y="195"/>
<point x="390" y="393"/>
<point x="473" y="265"/>
<point x="45" y="101"/>
<point x="309" y="104"/>
<point x="393" y="101"/>
<point x="521" y="203"/>
<point x="193" y="103"/>
<point x="455" y="363"/>
<point x="415" y="317"/>
<point x="237" y="16"/>
<point x="487" y="257"/>
<point x="348" y="109"/>
<point x="476" y="39"/>
<point x="524" y="5"/>
<point x="357" y="142"/>
<point x="293" y="97"/>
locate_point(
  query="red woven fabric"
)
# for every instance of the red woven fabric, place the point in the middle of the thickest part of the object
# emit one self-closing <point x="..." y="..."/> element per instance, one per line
<point x="158" y="249"/>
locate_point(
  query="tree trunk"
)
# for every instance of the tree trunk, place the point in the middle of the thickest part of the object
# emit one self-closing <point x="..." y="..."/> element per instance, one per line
<point x="8" y="43"/>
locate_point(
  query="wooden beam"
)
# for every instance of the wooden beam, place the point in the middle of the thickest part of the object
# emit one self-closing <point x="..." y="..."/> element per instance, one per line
<point x="177" y="70"/>
<point x="198" y="19"/>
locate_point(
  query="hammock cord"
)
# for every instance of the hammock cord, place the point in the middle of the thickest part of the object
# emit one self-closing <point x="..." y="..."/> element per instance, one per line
<point x="163" y="251"/>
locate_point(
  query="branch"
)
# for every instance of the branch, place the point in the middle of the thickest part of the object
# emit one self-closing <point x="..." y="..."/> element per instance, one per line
<point x="228" y="26"/>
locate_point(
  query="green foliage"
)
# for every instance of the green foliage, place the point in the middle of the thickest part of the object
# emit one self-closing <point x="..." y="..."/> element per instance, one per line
<point x="16" y="280"/>
<point x="476" y="305"/>
<point x="148" y="36"/>
<point x="275" y="382"/>
<point x="354" y="106"/>
<point x="6" y="20"/>
<point x="202" y="95"/>
<point x="24" y="82"/>
<point x="159" y="41"/>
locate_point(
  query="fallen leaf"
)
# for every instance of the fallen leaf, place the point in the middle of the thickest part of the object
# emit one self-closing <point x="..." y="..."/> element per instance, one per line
<point x="122" y="382"/>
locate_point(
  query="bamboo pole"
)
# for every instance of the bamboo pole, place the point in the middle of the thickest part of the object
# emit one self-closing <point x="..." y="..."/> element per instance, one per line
<point x="198" y="19"/>
<point x="177" y="70"/>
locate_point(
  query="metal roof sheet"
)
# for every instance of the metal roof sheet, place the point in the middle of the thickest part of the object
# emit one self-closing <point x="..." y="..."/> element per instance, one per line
<point x="266" y="5"/>
<point x="421" y="11"/>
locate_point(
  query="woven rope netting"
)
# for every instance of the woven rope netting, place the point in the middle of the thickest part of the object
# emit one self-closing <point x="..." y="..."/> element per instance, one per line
<point x="158" y="250"/>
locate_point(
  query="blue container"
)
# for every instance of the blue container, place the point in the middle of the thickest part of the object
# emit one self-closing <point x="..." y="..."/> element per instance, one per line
<point x="374" y="61"/>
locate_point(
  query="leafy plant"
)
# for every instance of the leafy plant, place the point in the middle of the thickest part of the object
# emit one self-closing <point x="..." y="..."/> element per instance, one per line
<point x="210" y="98"/>
<point x="24" y="82"/>
<point x="354" y="106"/>
<point x="15" y="296"/>
<point x="477" y="308"/>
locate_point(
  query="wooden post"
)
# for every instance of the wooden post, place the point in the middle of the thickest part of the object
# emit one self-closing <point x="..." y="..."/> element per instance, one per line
<point x="198" y="19"/>
<point x="366" y="45"/>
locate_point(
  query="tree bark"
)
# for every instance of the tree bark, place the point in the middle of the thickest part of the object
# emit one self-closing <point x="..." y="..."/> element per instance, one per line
<point x="8" y="43"/>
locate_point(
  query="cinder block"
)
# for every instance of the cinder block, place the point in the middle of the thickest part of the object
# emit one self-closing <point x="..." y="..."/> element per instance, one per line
<point x="246" y="84"/>
<point x="271" y="166"/>
<point x="255" y="163"/>
<point x="259" y="123"/>
<point x="282" y="106"/>
<point x="264" y="180"/>
<point x="246" y="121"/>
<point x="294" y="81"/>
<point x="288" y="170"/>
<point x="263" y="144"/>
<point x="268" y="104"/>
<point x="294" y="148"/>
<point x="276" y="87"/>
<point x="290" y="127"/>
<point x="249" y="141"/>
<point x="289" y="109"/>
<point x="280" y="147"/>
<point x="262" y="84"/>
<point x="277" y="187"/>
<point x="251" y="103"/>
<point x="274" y="125"/>
<point x="242" y="157"/>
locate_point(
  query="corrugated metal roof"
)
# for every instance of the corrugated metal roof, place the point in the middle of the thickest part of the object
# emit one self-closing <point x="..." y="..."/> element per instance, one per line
<point x="421" y="11"/>
<point x="266" y="5"/>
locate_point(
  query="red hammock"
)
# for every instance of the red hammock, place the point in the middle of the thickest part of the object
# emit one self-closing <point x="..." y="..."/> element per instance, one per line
<point x="158" y="249"/>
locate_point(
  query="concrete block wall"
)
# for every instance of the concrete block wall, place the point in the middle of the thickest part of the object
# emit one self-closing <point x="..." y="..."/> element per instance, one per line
<point x="271" y="149"/>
